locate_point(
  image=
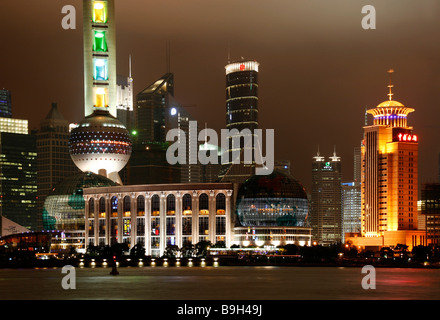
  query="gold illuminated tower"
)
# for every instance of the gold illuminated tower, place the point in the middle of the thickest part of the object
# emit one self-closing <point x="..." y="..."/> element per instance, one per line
<point x="389" y="177"/>
<point x="99" y="56"/>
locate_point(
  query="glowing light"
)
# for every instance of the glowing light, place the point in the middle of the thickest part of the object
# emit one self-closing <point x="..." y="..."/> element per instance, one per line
<point x="173" y="111"/>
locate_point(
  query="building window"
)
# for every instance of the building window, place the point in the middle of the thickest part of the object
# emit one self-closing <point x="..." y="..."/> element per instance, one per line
<point x="91" y="208"/>
<point x="100" y="12"/>
<point x="100" y="41"/>
<point x="155" y="205"/>
<point x="187" y="204"/>
<point x="171" y="204"/>
<point x="220" y="204"/>
<point x="140" y="206"/>
<point x="203" y="204"/>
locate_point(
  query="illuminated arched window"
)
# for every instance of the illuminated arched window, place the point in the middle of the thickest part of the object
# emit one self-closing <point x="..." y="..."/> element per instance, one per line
<point x="140" y="205"/>
<point x="204" y="204"/>
<point x="220" y="204"/>
<point x="155" y="205"/>
<point x="171" y="204"/>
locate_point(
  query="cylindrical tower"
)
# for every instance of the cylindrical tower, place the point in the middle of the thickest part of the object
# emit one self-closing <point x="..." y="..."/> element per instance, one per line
<point x="242" y="115"/>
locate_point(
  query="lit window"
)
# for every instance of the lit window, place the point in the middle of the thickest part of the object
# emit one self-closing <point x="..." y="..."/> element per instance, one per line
<point x="100" y="41"/>
<point x="100" y="69"/>
<point x="100" y="12"/>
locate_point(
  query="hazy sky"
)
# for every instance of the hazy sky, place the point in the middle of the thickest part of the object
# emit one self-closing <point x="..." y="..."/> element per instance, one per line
<point x="319" y="69"/>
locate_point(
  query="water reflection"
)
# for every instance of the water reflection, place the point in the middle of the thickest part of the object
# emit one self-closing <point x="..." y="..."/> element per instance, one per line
<point x="210" y="283"/>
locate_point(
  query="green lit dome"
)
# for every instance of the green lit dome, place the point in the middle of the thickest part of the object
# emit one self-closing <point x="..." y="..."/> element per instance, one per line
<point x="272" y="200"/>
<point x="64" y="206"/>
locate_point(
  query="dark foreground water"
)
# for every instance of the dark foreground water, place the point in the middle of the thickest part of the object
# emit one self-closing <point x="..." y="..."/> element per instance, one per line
<point x="220" y="283"/>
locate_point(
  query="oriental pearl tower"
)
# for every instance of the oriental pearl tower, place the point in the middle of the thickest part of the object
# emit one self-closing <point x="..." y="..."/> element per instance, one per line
<point x="100" y="143"/>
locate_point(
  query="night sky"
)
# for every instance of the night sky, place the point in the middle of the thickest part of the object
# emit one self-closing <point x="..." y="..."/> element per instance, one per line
<point x="319" y="69"/>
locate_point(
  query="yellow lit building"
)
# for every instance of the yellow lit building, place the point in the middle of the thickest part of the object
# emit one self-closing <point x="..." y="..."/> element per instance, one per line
<point x="389" y="179"/>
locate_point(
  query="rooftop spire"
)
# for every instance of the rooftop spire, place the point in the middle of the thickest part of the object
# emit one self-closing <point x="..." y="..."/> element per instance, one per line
<point x="390" y="86"/>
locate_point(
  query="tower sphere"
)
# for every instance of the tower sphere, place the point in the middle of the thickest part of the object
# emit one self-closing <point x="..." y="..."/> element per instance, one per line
<point x="100" y="144"/>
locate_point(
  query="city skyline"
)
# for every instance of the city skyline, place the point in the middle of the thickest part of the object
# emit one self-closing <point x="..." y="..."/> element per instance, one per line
<point x="324" y="65"/>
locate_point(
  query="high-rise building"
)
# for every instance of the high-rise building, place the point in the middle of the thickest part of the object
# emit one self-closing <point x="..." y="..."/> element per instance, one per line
<point x="242" y="115"/>
<point x="152" y="106"/>
<point x="430" y="211"/>
<point x="351" y="208"/>
<point x="53" y="161"/>
<point x="5" y="104"/>
<point x="326" y="211"/>
<point x="99" y="56"/>
<point x="124" y="106"/>
<point x="351" y="198"/>
<point x="157" y="112"/>
<point x="18" y="180"/>
<point x="389" y="177"/>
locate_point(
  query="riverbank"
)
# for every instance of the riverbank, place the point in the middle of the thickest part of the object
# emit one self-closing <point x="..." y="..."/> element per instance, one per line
<point x="216" y="261"/>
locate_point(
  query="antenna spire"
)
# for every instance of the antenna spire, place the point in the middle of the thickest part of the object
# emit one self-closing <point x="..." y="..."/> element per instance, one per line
<point x="129" y="66"/>
<point x="168" y="59"/>
<point x="390" y="86"/>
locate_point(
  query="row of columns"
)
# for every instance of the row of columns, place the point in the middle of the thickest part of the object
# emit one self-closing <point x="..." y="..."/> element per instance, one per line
<point x="163" y="217"/>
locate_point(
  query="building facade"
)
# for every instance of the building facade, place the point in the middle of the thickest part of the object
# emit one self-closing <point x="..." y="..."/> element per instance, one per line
<point x="157" y="216"/>
<point x="326" y="206"/>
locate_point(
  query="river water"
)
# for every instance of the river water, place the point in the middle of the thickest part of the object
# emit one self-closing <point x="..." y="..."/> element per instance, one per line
<point x="220" y="283"/>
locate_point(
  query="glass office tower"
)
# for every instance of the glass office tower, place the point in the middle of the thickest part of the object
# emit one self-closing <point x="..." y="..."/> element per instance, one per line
<point x="326" y="198"/>
<point x="18" y="180"/>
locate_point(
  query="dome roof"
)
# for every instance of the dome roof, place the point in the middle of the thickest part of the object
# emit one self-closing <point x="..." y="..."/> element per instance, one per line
<point x="75" y="184"/>
<point x="64" y="206"/>
<point x="390" y="103"/>
<point x="275" y="185"/>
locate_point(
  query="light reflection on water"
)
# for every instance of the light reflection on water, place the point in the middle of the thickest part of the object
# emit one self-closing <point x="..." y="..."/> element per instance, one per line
<point x="221" y="283"/>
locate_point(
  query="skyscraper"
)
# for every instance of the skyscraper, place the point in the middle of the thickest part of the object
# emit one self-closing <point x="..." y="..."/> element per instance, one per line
<point x="18" y="180"/>
<point x="326" y="211"/>
<point x="351" y="198"/>
<point x="389" y="177"/>
<point x="53" y="161"/>
<point x="157" y="112"/>
<point x="5" y="104"/>
<point x="152" y="107"/>
<point x="242" y="115"/>
<point x="99" y="56"/>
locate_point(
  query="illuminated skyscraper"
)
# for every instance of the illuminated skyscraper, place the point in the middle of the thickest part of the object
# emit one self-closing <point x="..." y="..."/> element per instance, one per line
<point x="99" y="56"/>
<point x="389" y="177"/>
<point x="241" y="114"/>
<point x="18" y="179"/>
<point x="326" y="211"/>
